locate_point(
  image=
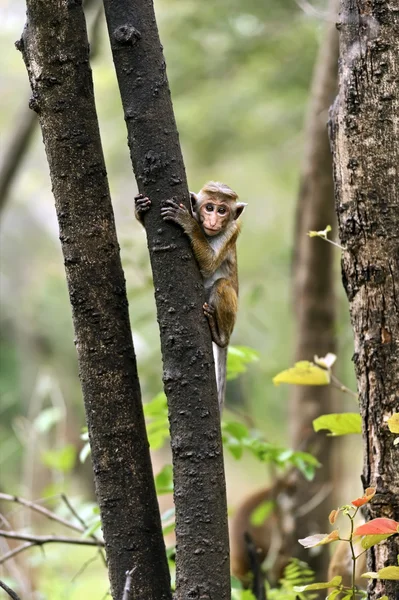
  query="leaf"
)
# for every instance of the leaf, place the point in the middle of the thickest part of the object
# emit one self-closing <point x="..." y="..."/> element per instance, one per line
<point x="167" y="529"/>
<point x="303" y="373"/>
<point x="92" y="528"/>
<point x="334" y="594"/>
<point x="322" y="233"/>
<point x="391" y="573"/>
<point x="237" y="359"/>
<point x="62" y="460"/>
<point x="332" y="517"/>
<point x="327" y="361"/>
<point x="367" y="496"/>
<point x="319" y="539"/>
<point x="393" y="423"/>
<point x="371" y="540"/>
<point x="378" y="526"/>
<point x="339" y="423"/>
<point x="84" y="453"/>
<point x="262" y="512"/>
<point x="164" y="480"/>
<point x="335" y="582"/>
<point x="237" y="430"/>
<point x="47" y="419"/>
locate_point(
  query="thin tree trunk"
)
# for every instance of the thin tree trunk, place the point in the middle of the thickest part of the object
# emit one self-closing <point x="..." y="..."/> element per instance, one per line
<point x="364" y="134"/>
<point x="202" y="559"/>
<point x="55" y="49"/>
<point x="313" y="293"/>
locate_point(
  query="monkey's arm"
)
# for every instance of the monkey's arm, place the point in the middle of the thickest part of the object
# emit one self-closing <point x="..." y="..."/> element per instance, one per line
<point x="208" y="259"/>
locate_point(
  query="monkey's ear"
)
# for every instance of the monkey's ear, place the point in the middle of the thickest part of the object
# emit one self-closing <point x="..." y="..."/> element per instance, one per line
<point x="193" y="201"/>
<point x="239" y="209"/>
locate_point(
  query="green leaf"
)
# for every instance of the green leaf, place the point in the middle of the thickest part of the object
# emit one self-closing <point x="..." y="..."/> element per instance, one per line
<point x="322" y="233"/>
<point x="333" y="594"/>
<point x="391" y="573"/>
<point x="164" y="480"/>
<point x="393" y="423"/>
<point x="262" y="512"/>
<point x="167" y="529"/>
<point x="335" y="582"/>
<point x="339" y="423"/>
<point x="157" y="407"/>
<point x="235" y="429"/>
<point x="235" y="583"/>
<point x="303" y="373"/>
<point x="61" y="460"/>
<point x="371" y="540"/>
<point x="237" y="359"/>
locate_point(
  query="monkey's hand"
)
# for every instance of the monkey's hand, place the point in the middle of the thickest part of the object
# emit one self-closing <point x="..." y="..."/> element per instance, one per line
<point x="178" y="213"/>
<point x="142" y="204"/>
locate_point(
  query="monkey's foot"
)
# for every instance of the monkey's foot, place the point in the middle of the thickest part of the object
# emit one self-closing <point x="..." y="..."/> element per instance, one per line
<point x="209" y="310"/>
<point x="172" y="211"/>
<point x="142" y="203"/>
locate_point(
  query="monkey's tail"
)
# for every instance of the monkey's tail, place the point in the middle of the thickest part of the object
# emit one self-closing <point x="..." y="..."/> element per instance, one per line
<point x="220" y="358"/>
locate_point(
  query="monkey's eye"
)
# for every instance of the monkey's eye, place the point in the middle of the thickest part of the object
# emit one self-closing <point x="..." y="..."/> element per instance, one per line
<point x="209" y="208"/>
<point x="222" y="210"/>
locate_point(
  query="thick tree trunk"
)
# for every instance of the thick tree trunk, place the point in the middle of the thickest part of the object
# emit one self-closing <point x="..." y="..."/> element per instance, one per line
<point x="55" y="49"/>
<point x="202" y="559"/>
<point x="364" y="133"/>
<point x="313" y="294"/>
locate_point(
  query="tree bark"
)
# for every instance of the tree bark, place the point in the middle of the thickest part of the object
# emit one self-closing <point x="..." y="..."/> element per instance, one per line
<point x="364" y="134"/>
<point x="202" y="559"/>
<point x="56" y="52"/>
<point x="314" y="295"/>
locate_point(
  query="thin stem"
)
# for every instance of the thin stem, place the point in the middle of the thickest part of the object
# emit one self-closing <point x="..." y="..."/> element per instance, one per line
<point x="331" y="242"/>
<point x="335" y="381"/>
<point x="40" y="509"/>
<point x="9" y="591"/>
<point x="39" y="540"/>
<point x="352" y="518"/>
<point x="15" y="551"/>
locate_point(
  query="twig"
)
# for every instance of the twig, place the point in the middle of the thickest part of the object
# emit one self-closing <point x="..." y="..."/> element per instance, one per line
<point x="82" y="522"/>
<point x="335" y="381"/>
<point x="15" y="551"/>
<point x="127" y="589"/>
<point x="43" y="511"/>
<point x="9" y="591"/>
<point x="84" y="567"/>
<point x="39" y="540"/>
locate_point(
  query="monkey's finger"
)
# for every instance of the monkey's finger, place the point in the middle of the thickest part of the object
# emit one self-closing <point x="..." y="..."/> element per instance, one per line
<point x="138" y="196"/>
<point x="171" y="204"/>
<point x="143" y="202"/>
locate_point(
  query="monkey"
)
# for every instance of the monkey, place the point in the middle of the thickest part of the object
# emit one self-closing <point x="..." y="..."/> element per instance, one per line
<point x="213" y="227"/>
<point x="266" y="536"/>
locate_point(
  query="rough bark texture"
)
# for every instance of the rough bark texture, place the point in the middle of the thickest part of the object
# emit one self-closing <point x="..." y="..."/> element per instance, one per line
<point x="202" y="559"/>
<point x="55" y="48"/>
<point x="314" y="297"/>
<point x="364" y="133"/>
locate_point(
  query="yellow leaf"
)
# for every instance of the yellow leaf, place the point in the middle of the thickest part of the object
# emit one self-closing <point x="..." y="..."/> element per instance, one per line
<point x="393" y="423"/>
<point x="303" y="373"/>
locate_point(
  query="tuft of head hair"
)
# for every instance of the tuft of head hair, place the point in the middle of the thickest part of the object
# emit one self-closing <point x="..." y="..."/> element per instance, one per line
<point x="216" y="188"/>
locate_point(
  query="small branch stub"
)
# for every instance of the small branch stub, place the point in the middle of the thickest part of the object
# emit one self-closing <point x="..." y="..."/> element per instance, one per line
<point x="127" y="35"/>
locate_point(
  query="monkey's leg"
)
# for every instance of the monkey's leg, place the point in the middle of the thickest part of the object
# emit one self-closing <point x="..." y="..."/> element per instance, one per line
<point x="221" y="311"/>
<point x="141" y="205"/>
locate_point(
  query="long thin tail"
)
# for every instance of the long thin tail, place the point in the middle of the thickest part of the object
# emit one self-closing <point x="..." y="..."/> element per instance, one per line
<point x="220" y="358"/>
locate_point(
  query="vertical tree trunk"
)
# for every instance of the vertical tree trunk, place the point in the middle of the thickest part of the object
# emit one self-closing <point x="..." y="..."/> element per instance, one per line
<point x="55" y="49"/>
<point x="364" y="134"/>
<point x="202" y="559"/>
<point x="313" y="292"/>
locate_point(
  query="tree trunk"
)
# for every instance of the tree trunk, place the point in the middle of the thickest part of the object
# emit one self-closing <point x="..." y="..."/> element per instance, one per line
<point x="55" y="49"/>
<point x="313" y="294"/>
<point x="202" y="559"/>
<point x="364" y="135"/>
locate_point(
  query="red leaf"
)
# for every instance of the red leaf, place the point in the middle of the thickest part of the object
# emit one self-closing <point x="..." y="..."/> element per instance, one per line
<point x="378" y="527"/>
<point x="367" y="496"/>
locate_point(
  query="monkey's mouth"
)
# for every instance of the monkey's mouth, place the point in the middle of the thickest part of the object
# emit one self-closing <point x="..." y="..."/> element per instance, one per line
<point x="210" y="231"/>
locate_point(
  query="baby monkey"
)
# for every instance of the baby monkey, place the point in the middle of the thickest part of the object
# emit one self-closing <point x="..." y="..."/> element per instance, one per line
<point x="212" y="227"/>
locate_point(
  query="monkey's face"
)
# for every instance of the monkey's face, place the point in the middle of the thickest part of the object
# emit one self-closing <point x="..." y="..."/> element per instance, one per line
<point x="214" y="216"/>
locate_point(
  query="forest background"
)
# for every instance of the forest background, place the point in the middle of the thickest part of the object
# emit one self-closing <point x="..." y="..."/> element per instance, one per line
<point x="240" y="79"/>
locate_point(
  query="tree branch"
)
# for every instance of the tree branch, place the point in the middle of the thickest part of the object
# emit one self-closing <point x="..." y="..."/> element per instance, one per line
<point x="9" y="591"/>
<point x="56" y="53"/>
<point x="41" y="510"/>
<point x="15" y="551"/>
<point x="39" y="540"/>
